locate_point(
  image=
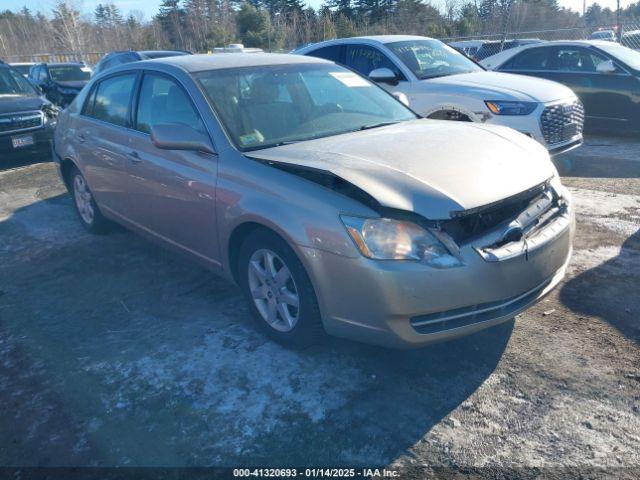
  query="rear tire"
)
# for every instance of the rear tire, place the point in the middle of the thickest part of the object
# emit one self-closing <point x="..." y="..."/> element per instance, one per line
<point x="278" y="291"/>
<point x="86" y="208"/>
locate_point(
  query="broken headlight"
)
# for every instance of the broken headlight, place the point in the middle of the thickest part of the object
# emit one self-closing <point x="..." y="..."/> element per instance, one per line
<point x="389" y="239"/>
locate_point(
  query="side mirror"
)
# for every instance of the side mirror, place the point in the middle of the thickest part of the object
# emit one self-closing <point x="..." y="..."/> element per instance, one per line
<point x="606" y="66"/>
<point x="172" y="136"/>
<point x="383" y="75"/>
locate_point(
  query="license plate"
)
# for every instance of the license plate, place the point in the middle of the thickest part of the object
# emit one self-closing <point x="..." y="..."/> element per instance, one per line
<point x="22" y="141"/>
<point x="570" y="130"/>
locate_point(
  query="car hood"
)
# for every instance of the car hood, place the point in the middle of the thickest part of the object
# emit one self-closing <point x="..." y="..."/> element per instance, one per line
<point x="500" y="86"/>
<point x="20" y="103"/>
<point x="430" y="167"/>
<point x="77" y="84"/>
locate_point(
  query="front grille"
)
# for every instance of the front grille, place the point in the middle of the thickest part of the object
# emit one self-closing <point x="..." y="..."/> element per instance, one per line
<point x="18" y="122"/>
<point x="562" y="122"/>
<point x="467" y="224"/>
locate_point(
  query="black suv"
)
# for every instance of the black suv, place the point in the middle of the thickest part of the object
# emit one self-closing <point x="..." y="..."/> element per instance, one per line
<point x="114" y="59"/>
<point x="27" y="119"/>
<point x="60" y="82"/>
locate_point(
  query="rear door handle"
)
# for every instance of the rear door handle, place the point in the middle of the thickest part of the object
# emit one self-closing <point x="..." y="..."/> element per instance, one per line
<point x="134" y="157"/>
<point x="81" y="138"/>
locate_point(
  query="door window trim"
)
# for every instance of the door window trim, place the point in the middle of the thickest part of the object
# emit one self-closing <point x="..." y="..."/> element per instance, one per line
<point x="624" y="72"/>
<point x="95" y="86"/>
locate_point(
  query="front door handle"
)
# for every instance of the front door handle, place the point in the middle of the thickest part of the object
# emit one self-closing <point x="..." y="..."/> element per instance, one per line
<point x="134" y="157"/>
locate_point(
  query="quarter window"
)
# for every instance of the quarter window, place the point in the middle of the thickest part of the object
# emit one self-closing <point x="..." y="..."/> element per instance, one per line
<point x="163" y="101"/>
<point x="112" y="97"/>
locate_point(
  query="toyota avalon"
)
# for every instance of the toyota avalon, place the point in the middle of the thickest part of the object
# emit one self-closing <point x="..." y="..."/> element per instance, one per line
<point x="331" y="204"/>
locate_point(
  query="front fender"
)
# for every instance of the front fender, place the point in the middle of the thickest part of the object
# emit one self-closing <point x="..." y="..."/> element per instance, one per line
<point x="302" y="212"/>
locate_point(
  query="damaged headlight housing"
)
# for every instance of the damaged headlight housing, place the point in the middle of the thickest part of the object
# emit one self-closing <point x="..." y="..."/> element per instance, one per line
<point x="501" y="107"/>
<point x="390" y="239"/>
<point x="50" y="114"/>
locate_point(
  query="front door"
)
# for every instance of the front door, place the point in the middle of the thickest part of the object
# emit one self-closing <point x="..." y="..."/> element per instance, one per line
<point x="172" y="192"/>
<point x="605" y="95"/>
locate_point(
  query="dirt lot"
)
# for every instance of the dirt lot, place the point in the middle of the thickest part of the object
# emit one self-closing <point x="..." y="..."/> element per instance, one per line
<point x="114" y="352"/>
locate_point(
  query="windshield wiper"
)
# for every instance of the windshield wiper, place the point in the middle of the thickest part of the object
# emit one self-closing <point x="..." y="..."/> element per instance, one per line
<point x="376" y="125"/>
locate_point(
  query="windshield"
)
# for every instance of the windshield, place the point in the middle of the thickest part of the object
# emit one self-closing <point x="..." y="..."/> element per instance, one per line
<point x="432" y="58"/>
<point x="12" y="83"/>
<point x="265" y="106"/>
<point x="624" y="54"/>
<point x="68" y="73"/>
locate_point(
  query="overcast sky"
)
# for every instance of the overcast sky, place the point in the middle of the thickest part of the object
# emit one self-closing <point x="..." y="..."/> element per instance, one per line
<point x="150" y="7"/>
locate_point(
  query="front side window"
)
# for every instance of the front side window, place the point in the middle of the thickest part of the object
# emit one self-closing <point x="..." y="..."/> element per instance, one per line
<point x="365" y="59"/>
<point x="265" y="106"/>
<point x="42" y="74"/>
<point x="68" y="73"/>
<point x="12" y="83"/>
<point x="163" y="101"/>
<point x="112" y="97"/>
<point x="432" y="58"/>
<point x="531" y="59"/>
<point x="577" y="60"/>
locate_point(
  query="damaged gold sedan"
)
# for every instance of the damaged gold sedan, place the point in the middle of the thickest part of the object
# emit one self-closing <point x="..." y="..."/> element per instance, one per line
<point x="333" y="206"/>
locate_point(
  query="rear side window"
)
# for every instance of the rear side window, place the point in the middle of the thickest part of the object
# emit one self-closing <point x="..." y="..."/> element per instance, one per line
<point x="110" y="99"/>
<point x="328" y="53"/>
<point x="531" y="59"/>
<point x="163" y="101"/>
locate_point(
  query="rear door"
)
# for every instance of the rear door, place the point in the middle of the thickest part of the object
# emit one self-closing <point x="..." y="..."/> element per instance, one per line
<point x="536" y="62"/>
<point x="173" y="192"/>
<point x="102" y="136"/>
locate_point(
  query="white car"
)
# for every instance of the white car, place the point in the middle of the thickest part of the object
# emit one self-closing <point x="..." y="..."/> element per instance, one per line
<point x="441" y="83"/>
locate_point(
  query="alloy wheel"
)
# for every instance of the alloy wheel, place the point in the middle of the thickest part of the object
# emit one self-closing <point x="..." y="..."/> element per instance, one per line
<point x="273" y="290"/>
<point x="83" y="199"/>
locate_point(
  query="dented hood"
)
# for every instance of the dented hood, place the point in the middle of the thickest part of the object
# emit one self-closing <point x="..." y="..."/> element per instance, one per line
<point x="429" y="167"/>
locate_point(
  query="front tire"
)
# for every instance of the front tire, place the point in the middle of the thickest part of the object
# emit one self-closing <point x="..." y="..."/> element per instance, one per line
<point x="278" y="290"/>
<point x="86" y="207"/>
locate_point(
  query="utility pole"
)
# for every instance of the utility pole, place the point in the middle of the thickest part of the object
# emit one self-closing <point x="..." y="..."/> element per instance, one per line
<point x="618" y="22"/>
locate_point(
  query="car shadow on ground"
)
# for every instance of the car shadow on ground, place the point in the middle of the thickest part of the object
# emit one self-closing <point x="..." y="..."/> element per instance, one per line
<point x="9" y="161"/>
<point x="151" y="360"/>
<point x="601" y="157"/>
<point x="610" y="290"/>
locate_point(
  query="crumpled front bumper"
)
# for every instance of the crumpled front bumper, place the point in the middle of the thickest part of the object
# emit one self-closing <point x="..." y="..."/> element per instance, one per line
<point x="408" y="304"/>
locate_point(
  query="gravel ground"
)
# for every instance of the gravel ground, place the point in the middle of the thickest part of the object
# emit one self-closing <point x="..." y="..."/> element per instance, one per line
<point x="116" y="353"/>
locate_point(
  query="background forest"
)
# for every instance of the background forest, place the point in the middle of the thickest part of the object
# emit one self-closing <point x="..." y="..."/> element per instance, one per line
<point x="201" y="25"/>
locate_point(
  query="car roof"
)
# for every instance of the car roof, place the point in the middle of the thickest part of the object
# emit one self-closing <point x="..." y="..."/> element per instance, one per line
<point x="217" y="61"/>
<point x="62" y="64"/>
<point x="157" y="52"/>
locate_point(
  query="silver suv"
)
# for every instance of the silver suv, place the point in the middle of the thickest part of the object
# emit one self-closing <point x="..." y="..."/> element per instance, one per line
<point x="331" y="204"/>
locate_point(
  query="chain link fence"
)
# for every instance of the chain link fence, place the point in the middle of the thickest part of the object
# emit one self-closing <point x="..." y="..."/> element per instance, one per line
<point x="90" y="58"/>
<point x="492" y="43"/>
